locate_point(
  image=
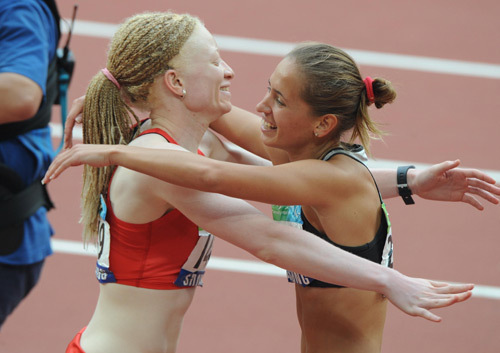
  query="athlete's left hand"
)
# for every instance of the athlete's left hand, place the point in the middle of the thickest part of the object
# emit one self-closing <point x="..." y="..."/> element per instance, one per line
<point x="446" y="182"/>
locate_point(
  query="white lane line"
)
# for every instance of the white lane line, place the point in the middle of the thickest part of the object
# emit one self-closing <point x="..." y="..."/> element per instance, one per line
<point x="241" y="266"/>
<point x="362" y="57"/>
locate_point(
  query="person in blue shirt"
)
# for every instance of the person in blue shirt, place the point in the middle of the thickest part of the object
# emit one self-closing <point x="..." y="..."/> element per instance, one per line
<point x="29" y="33"/>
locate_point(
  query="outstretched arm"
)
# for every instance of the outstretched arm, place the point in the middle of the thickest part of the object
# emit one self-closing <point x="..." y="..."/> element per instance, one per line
<point x="440" y="182"/>
<point x="443" y="182"/>
<point x="287" y="247"/>
<point x="237" y="222"/>
<point x="305" y="182"/>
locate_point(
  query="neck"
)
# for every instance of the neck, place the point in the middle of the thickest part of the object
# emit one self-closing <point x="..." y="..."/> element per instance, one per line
<point x="185" y="128"/>
<point x="314" y="151"/>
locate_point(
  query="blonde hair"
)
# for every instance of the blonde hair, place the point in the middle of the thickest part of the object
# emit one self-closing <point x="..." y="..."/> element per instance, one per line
<point x="333" y="85"/>
<point x="139" y="52"/>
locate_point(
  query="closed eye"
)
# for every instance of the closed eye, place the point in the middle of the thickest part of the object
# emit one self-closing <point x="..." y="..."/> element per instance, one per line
<point x="277" y="97"/>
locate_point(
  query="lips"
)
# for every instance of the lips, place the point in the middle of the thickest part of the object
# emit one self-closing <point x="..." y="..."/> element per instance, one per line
<point x="268" y="126"/>
<point x="225" y="92"/>
<point x="224" y="87"/>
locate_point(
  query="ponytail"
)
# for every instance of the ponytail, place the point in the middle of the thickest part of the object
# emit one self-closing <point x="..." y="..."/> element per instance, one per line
<point x="365" y="128"/>
<point x="106" y="120"/>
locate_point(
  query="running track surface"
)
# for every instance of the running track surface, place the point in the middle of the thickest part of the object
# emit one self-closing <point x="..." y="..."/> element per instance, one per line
<point x="445" y="110"/>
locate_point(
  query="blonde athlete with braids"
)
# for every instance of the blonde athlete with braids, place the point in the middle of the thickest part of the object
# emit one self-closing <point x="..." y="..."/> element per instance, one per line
<point x="315" y="95"/>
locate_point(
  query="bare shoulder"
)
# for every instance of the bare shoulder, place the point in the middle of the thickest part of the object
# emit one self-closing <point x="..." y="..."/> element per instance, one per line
<point x="144" y="181"/>
<point x="137" y="197"/>
<point x="351" y="215"/>
<point x="154" y="141"/>
<point x="352" y="177"/>
<point x="324" y="183"/>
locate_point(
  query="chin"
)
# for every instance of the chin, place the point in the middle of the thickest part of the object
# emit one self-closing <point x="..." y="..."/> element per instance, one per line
<point x="226" y="109"/>
<point x="267" y="141"/>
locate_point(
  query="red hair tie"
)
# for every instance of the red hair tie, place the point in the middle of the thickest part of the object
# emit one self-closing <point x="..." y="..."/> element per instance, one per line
<point x="369" y="89"/>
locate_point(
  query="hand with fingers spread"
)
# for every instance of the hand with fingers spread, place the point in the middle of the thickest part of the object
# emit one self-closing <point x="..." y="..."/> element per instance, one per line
<point x="446" y="182"/>
<point x="427" y="295"/>
<point x="92" y="155"/>
<point x="74" y="117"/>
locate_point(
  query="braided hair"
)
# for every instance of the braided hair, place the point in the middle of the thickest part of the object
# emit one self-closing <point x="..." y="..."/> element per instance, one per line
<point x="139" y="52"/>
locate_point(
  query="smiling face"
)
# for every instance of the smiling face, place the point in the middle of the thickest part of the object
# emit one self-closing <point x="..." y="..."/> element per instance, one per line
<point x="287" y="122"/>
<point x="204" y="75"/>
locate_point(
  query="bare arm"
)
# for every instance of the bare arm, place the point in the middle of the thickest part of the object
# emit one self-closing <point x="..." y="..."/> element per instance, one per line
<point x="285" y="184"/>
<point x="243" y="128"/>
<point x="223" y="150"/>
<point x="287" y="247"/>
<point x="20" y="97"/>
<point x="306" y="182"/>
<point x="441" y="182"/>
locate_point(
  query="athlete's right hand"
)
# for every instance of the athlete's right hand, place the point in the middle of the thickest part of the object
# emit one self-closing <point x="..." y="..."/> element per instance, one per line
<point x="93" y="155"/>
<point x="416" y="296"/>
<point x="74" y="117"/>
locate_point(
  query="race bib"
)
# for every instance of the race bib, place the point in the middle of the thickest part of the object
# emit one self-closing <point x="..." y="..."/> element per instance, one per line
<point x="387" y="253"/>
<point x="194" y="268"/>
<point x="289" y="215"/>
<point x="102" y="271"/>
<point x="297" y="278"/>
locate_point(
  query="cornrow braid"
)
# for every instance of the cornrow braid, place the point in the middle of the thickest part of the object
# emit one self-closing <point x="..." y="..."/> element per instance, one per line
<point x="139" y="52"/>
<point x="143" y="47"/>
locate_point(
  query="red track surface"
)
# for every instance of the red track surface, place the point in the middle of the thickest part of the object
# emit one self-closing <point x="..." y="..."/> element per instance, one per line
<point x="435" y="117"/>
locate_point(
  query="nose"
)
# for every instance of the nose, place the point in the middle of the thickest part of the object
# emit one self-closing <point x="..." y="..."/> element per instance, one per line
<point x="263" y="106"/>
<point x="228" y="71"/>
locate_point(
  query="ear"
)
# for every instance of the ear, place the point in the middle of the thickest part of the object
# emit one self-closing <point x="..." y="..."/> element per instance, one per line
<point x="325" y="124"/>
<point x="173" y="82"/>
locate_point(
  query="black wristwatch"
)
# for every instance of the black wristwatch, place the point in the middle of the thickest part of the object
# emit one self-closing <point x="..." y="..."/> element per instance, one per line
<point x="403" y="189"/>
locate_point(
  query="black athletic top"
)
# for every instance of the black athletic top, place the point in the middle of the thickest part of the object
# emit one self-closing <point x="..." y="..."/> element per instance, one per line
<point x="378" y="250"/>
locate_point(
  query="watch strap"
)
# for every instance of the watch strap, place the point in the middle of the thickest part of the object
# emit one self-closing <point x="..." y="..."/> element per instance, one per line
<point x="403" y="189"/>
